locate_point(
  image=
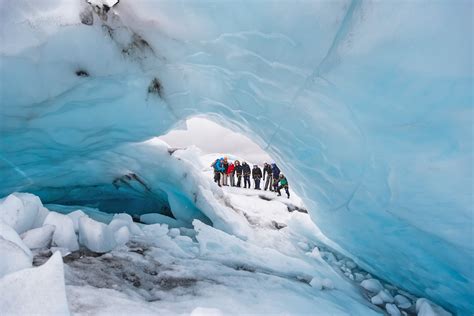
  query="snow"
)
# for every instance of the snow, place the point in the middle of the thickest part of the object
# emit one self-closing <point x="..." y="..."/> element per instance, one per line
<point x="64" y="235"/>
<point x="373" y="129"/>
<point x="35" y="291"/>
<point x="39" y="237"/>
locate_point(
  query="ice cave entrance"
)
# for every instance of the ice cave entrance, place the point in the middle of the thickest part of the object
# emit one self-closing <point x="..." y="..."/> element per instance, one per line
<point x="214" y="139"/>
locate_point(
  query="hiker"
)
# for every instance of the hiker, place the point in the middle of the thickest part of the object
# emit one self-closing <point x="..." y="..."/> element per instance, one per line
<point x="267" y="171"/>
<point x="225" y="165"/>
<point x="275" y="175"/>
<point x="230" y="174"/>
<point x="217" y="165"/>
<point x="238" y="171"/>
<point x="246" y="173"/>
<point x="283" y="184"/>
<point x="256" y="175"/>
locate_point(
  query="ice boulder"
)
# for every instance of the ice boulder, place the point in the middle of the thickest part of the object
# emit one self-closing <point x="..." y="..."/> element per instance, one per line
<point x="14" y="255"/>
<point x="425" y="307"/>
<point x="402" y="301"/>
<point x="123" y="219"/>
<point x="122" y="235"/>
<point x="372" y="285"/>
<point x="35" y="291"/>
<point x="39" y="237"/>
<point x="8" y="233"/>
<point x="75" y="215"/>
<point x="96" y="236"/>
<point x="392" y="310"/>
<point x="22" y="211"/>
<point x="64" y="235"/>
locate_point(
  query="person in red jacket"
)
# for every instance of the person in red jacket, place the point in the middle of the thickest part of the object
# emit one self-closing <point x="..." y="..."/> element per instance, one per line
<point x="230" y="174"/>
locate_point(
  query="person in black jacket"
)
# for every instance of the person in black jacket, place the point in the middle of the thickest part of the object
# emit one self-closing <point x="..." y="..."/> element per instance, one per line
<point x="256" y="175"/>
<point x="267" y="172"/>
<point x="246" y="172"/>
<point x="238" y="171"/>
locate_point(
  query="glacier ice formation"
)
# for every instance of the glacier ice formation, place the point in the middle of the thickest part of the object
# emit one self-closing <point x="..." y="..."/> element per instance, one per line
<point x="367" y="106"/>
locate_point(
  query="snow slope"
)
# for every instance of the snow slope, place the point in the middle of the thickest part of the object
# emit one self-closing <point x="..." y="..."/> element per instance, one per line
<point x="367" y="106"/>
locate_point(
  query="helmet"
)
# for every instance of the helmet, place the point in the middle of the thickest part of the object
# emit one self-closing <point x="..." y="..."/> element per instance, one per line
<point x="281" y="175"/>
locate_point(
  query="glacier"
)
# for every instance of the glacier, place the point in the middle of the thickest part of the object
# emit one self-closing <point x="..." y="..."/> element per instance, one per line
<point x="367" y="106"/>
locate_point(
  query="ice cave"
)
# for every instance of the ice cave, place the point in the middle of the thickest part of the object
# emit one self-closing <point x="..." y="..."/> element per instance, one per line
<point x="366" y="105"/>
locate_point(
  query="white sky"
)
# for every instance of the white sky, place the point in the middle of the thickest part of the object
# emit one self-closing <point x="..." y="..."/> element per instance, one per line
<point x="213" y="138"/>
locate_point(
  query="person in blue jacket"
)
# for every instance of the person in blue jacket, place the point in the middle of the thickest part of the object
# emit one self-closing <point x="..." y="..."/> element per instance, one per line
<point x="218" y="166"/>
<point x="276" y="176"/>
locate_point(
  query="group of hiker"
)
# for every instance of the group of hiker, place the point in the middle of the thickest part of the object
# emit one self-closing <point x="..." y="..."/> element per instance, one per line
<point x="227" y="173"/>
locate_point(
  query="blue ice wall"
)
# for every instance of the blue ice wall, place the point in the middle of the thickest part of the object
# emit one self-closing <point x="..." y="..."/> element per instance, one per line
<point x="366" y="105"/>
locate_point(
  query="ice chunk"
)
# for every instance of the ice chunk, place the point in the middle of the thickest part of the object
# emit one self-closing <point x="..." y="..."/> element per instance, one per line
<point x="8" y="233"/>
<point x="39" y="237"/>
<point x="359" y="277"/>
<point x="122" y="235"/>
<point x="14" y="254"/>
<point x="64" y="235"/>
<point x="36" y="291"/>
<point x="402" y="301"/>
<point x="314" y="253"/>
<point x="377" y="300"/>
<point x="392" y="310"/>
<point x="96" y="236"/>
<point x="317" y="283"/>
<point x="155" y="218"/>
<point x="174" y="232"/>
<point x="328" y="284"/>
<point x="75" y="215"/>
<point x="386" y="296"/>
<point x="372" y="285"/>
<point x="21" y="211"/>
<point x="156" y="230"/>
<point x="122" y="219"/>
<point x="425" y="307"/>
<point x="13" y="258"/>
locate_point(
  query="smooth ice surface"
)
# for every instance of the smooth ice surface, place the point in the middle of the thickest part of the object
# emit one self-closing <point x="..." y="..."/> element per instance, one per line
<point x="367" y="106"/>
<point x="22" y="211"/>
<point x="38" y="237"/>
<point x="14" y="254"/>
<point x="35" y="291"/>
<point x="64" y="235"/>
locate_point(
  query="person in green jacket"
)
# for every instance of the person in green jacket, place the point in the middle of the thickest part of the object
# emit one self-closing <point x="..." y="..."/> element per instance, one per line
<point x="283" y="183"/>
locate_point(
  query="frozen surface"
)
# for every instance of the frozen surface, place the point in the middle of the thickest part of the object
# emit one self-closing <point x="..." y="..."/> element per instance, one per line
<point x="35" y="291"/>
<point x="367" y="106"/>
<point x="14" y="254"/>
<point x="64" y="235"/>
<point x="40" y="237"/>
<point x="282" y="266"/>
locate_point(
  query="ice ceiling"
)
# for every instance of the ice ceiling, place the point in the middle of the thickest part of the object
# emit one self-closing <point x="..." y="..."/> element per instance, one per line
<point x="366" y="105"/>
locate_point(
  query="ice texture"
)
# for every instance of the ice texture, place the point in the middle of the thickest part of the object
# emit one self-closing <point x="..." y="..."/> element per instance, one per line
<point x="35" y="291"/>
<point x="14" y="254"/>
<point x="64" y="235"/>
<point x="40" y="237"/>
<point x="366" y="106"/>
<point x="22" y="211"/>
